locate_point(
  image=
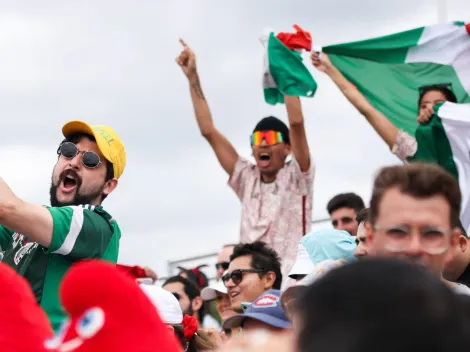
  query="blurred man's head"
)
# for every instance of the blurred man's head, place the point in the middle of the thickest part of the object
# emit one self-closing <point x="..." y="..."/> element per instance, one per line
<point x="381" y="304"/>
<point x="223" y="259"/>
<point x="361" y="238"/>
<point x="343" y="209"/>
<point x="254" y="268"/>
<point x="187" y="294"/>
<point x="414" y="214"/>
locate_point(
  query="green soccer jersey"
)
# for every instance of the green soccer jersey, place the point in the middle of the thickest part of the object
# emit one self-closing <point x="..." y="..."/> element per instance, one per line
<point x="80" y="232"/>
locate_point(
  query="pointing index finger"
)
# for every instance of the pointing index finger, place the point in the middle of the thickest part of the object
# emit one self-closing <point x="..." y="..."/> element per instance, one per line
<point x="183" y="43"/>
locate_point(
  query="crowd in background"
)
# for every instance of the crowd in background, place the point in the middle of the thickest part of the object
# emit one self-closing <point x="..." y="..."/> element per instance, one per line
<point x="393" y="276"/>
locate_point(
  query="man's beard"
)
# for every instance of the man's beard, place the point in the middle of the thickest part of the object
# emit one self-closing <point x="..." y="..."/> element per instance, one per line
<point x="189" y="310"/>
<point x="78" y="198"/>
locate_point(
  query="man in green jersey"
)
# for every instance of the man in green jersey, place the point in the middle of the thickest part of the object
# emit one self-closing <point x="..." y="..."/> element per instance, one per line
<point x="41" y="243"/>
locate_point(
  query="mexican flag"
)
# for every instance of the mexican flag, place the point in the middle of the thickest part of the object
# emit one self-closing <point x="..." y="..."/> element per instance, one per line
<point x="389" y="70"/>
<point x="284" y="71"/>
<point x="445" y="140"/>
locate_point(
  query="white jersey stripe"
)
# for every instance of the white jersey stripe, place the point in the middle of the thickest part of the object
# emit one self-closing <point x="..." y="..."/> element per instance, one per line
<point x="75" y="228"/>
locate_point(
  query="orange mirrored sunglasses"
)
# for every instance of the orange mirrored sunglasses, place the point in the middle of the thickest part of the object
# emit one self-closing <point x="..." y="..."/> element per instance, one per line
<point x="271" y="137"/>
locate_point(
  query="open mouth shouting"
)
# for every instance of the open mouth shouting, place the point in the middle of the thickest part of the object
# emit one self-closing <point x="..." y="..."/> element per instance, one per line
<point x="264" y="159"/>
<point x="69" y="182"/>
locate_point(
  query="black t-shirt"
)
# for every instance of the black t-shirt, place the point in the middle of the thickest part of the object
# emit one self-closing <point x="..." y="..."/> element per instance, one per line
<point x="465" y="277"/>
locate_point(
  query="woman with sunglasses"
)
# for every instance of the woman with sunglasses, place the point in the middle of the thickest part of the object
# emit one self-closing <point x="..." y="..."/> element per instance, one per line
<point x="400" y="143"/>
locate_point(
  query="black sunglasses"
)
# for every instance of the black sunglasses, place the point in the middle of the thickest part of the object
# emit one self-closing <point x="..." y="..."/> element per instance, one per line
<point x="177" y="295"/>
<point x="237" y="275"/>
<point x="222" y="265"/>
<point x="70" y="150"/>
<point x="428" y="87"/>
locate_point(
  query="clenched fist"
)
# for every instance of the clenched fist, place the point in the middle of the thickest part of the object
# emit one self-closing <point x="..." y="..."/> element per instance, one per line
<point x="321" y="61"/>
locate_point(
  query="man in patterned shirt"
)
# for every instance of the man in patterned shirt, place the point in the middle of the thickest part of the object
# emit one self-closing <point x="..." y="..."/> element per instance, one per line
<point x="276" y="194"/>
<point x="41" y="243"/>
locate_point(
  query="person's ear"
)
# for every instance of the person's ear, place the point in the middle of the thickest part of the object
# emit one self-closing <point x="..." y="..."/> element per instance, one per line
<point x="287" y="150"/>
<point x="269" y="280"/>
<point x="196" y="303"/>
<point x="109" y="186"/>
<point x="463" y="243"/>
<point x="369" y="232"/>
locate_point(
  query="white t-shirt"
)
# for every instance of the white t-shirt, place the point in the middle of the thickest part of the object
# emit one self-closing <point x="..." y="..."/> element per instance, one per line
<point x="210" y="323"/>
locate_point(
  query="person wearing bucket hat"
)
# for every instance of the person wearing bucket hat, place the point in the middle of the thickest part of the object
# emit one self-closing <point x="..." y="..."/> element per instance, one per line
<point x="264" y="312"/>
<point x="321" y="245"/>
<point x="41" y="242"/>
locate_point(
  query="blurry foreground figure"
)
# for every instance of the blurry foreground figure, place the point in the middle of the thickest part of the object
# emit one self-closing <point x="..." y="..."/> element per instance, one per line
<point x="382" y="305"/>
<point x="414" y="216"/>
<point x="185" y="328"/>
<point x="23" y="324"/>
<point x="108" y="312"/>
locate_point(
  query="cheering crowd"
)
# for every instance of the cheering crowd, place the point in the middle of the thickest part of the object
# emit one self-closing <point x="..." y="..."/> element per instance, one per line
<point x="393" y="276"/>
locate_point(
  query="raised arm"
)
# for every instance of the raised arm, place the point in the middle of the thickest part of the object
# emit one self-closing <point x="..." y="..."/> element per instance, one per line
<point x="30" y="220"/>
<point x="298" y="138"/>
<point x="225" y="152"/>
<point x="386" y="130"/>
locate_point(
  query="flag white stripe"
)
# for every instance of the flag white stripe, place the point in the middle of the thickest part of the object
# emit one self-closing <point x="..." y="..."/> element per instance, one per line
<point x="456" y="121"/>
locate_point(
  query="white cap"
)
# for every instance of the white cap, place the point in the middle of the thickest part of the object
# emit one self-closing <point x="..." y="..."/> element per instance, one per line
<point x="303" y="263"/>
<point x="210" y="292"/>
<point x="166" y="303"/>
<point x="320" y="269"/>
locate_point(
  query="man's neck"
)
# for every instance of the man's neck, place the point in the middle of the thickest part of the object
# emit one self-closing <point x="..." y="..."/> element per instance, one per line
<point x="459" y="267"/>
<point x="268" y="178"/>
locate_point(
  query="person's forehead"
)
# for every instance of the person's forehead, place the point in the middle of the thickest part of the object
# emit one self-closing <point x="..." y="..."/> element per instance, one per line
<point x="343" y="212"/>
<point x="174" y="287"/>
<point x="225" y="253"/>
<point x="400" y="208"/>
<point x="243" y="262"/>
<point x="433" y="95"/>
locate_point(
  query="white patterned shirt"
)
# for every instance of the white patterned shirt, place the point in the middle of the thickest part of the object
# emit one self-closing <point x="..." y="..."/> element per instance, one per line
<point x="277" y="213"/>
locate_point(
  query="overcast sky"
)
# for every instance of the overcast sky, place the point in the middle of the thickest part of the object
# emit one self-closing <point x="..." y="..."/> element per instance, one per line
<point x="112" y="62"/>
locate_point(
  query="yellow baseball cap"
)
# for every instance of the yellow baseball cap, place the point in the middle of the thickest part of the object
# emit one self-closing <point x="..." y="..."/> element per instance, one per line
<point x="109" y="143"/>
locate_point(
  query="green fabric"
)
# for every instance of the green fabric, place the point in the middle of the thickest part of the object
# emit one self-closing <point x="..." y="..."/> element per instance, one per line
<point x="391" y="48"/>
<point x="378" y="68"/>
<point x="433" y="144"/>
<point x="5" y="238"/>
<point x="96" y="236"/>
<point x="289" y="72"/>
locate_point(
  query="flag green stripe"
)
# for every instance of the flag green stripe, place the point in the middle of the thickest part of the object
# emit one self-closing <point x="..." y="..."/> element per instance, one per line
<point x="393" y="89"/>
<point x="273" y="96"/>
<point x="434" y="146"/>
<point x="288" y="70"/>
<point x="391" y="48"/>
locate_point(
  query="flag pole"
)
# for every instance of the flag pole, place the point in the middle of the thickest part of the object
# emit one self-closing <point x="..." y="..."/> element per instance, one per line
<point x="442" y="11"/>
